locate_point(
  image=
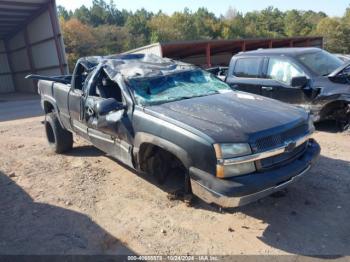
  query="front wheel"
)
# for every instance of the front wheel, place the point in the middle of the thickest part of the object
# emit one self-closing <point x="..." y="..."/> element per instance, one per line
<point x="60" y="140"/>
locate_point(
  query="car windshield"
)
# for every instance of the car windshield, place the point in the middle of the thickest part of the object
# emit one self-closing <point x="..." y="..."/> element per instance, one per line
<point x="322" y="63"/>
<point x="177" y="86"/>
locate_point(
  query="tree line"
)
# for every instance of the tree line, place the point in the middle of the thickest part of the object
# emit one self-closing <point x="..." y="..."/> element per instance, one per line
<point x="104" y="29"/>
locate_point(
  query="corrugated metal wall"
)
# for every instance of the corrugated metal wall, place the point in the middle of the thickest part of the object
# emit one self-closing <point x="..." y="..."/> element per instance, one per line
<point x="6" y="83"/>
<point x="36" y="49"/>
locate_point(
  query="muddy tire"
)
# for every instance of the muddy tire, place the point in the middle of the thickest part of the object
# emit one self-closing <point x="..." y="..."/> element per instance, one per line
<point x="158" y="167"/>
<point x="60" y="140"/>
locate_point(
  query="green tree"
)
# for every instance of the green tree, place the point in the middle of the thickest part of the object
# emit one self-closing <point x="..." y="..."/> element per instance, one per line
<point x="137" y="25"/>
<point x="79" y="40"/>
<point x="82" y="14"/>
<point x="295" y="25"/>
<point x="115" y="39"/>
<point x="63" y="13"/>
<point x="329" y="29"/>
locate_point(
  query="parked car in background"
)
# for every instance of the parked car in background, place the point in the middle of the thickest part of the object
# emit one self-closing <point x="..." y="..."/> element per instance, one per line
<point x="308" y="77"/>
<point x="164" y="117"/>
<point x="219" y="71"/>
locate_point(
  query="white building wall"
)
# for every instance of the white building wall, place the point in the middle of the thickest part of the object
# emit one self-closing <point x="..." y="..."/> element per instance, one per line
<point x="155" y="49"/>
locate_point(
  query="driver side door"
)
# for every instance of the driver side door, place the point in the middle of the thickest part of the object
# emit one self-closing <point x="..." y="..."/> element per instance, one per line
<point x="278" y="78"/>
<point x="104" y="117"/>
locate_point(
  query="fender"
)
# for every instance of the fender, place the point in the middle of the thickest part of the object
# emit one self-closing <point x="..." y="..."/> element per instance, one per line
<point x="52" y="101"/>
<point x="176" y="150"/>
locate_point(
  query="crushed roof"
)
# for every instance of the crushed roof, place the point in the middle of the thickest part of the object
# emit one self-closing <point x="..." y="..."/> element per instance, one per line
<point x="135" y="65"/>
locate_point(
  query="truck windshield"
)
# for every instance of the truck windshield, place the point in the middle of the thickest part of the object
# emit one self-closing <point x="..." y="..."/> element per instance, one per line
<point x="322" y="63"/>
<point x="177" y="86"/>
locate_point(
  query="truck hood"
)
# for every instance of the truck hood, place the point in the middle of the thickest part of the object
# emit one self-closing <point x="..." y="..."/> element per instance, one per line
<point x="231" y="117"/>
<point x="329" y="88"/>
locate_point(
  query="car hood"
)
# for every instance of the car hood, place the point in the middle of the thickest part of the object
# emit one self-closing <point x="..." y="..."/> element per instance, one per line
<point x="231" y="117"/>
<point x="340" y="70"/>
<point x="330" y="88"/>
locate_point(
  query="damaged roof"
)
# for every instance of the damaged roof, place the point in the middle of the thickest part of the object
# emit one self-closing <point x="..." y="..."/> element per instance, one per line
<point x="135" y="65"/>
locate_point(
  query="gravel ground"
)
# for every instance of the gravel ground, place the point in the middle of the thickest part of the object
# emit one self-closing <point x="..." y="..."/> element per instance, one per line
<point x="87" y="203"/>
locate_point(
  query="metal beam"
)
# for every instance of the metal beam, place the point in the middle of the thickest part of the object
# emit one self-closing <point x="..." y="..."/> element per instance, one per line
<point x="33" y="44"/>
<point x="11" y="21"/>
<point x="9" y="59"/>
<point x="16" y="3"/>
<point x="30" y="19"/>
<point x="244" y="46"/>
<point x="14" y="10"/>
<point x="208" y="55"/>
<point x="38" y="69"/>
<point x="30" y="57"/>
<point x="13" y="16"/>
<point x="55" y="29"/>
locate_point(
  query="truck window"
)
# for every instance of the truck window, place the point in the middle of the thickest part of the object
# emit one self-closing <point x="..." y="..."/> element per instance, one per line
<point x="106" y="88"/>
<point x="283" y="70"/>
<point x="248" y="67"/>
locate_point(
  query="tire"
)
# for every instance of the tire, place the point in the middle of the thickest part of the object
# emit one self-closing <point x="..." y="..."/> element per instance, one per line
<point x="158" y="167"/>
<point x="60" y="140"/>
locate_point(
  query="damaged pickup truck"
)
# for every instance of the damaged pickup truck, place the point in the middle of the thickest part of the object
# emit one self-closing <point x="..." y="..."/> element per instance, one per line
<point x="308" y="77"/>
<point x="164" y="117"/>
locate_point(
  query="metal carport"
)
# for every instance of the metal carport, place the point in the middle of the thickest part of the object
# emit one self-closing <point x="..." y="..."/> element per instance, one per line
<point x="208" y="53"/>
<point x="30" y="42"/>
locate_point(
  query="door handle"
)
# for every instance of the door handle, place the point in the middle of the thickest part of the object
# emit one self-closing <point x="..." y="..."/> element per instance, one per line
<point x="267" y="88"/>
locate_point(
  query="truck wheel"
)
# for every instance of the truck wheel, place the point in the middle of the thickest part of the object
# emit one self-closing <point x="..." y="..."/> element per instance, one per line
<point x="159" y="168"/>
<point x="60" y="140"/>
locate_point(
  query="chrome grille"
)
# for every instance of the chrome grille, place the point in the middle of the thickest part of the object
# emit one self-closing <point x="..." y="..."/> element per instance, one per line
<point x="269" y="142"/>
<point x="282" y="159"/>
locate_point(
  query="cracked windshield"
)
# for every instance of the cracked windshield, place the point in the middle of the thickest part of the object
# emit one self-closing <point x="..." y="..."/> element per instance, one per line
<point x="178" y="86"/>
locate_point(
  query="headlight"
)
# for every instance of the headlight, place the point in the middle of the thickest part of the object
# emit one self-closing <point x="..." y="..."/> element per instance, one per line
<point x="234" y="169"/>
<point x="225" y="151"/>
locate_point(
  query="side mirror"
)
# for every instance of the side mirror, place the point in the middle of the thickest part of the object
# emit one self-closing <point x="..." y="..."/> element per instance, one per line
<point x="299" y="81"/>
<point x="106" y="106"/>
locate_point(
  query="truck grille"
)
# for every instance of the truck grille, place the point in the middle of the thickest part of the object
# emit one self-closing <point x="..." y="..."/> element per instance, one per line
<point x="269" y="142"/>
<point x="282" y="159"/>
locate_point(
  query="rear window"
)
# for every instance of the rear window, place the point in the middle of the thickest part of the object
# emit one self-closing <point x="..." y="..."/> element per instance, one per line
<point x="247" y="67"/>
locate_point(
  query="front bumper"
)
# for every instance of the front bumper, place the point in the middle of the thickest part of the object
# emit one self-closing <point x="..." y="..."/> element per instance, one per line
<point x="242" y="190"/>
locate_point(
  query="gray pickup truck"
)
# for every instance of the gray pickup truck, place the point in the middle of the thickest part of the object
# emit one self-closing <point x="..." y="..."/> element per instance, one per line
<point x="307" y="77"/>
<point x="163" y="117"/>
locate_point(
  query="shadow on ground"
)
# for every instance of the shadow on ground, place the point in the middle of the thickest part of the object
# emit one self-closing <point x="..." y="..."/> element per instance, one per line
<point x="309" y="218"/>
<point x="85" y="151"/>
<point x="327" y="126"/>
<point x="312" y="216"/>
<point x="32" y="228"/>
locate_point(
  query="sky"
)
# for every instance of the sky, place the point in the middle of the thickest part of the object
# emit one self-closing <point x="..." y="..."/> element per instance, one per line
<point x="331" y="8"/>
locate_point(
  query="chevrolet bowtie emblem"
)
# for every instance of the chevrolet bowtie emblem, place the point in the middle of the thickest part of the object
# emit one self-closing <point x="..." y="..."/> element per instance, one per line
<point x="290" y="146"/>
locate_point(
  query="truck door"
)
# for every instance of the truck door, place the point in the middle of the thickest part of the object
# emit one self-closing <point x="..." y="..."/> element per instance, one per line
<point x="277" y="81"/>
<point x="80" y="80"/>
<point x="106" y="118"/>
<point x="244" y="74"/>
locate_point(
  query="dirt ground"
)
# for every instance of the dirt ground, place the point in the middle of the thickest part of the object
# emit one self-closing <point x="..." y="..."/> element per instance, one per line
<point x="87" y="203"/>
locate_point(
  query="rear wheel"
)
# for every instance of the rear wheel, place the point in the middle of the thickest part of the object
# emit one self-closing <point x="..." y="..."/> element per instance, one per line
<point x="60" y="140"/>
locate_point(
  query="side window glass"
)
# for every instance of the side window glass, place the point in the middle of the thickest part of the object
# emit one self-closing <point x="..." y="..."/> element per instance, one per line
<point x="106" y="88"/>
<point x="87" y="80"/>
<point x="283" y="70"/>
<point x="248" y="67"/>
